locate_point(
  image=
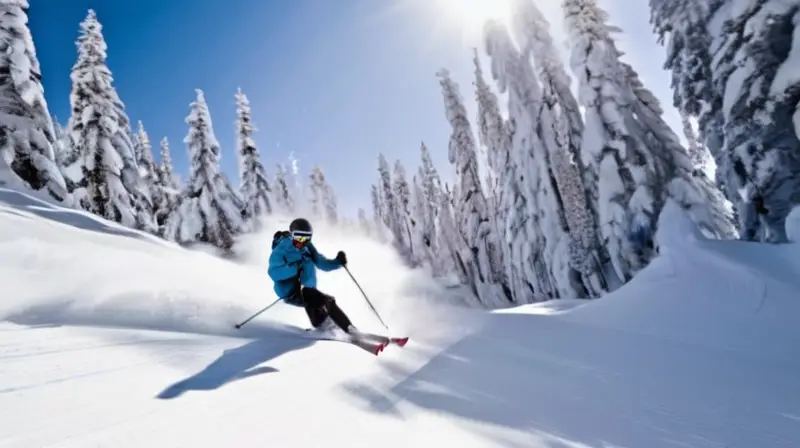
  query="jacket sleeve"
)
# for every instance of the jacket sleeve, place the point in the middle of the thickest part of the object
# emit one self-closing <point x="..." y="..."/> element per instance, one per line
<point x="321" y="261"/>
<point x="283" y="263"/>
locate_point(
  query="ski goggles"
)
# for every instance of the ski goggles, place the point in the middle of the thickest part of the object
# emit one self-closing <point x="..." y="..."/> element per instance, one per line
<point x="301" y="237"/>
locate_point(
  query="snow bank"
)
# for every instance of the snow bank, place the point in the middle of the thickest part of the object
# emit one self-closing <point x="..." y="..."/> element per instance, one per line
<point x="730" y="295"/>
<point x="793" y="225"/>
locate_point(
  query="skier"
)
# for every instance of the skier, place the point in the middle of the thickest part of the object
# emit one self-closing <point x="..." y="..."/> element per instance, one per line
<point x="292" y="266"/>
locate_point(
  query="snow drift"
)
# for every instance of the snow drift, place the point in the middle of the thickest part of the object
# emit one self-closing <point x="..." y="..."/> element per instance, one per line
<point x="112" y="337"/>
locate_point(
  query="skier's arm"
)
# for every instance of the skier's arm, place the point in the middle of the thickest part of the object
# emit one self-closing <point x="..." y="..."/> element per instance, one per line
<point x="283" y="264"/>
<point x="322" y="262"/>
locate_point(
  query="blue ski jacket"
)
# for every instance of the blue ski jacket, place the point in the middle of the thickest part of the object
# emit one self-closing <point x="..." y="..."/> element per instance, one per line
<point x="285" y="262"/>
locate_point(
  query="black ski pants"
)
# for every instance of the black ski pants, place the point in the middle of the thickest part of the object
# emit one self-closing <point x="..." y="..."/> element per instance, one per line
<point x="319" y="306"/>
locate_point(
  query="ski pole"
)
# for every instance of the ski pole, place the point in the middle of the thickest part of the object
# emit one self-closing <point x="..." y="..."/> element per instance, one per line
<point x="365" y="297"/>
<point x="238" y="326"/>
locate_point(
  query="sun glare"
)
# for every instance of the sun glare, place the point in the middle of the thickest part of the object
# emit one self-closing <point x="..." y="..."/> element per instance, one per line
<point x="473" y="13"/>
<point x="469" y="16"/>
<point x="462" y="19"/>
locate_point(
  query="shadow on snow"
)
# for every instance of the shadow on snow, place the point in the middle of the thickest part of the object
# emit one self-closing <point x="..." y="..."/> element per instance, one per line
<point x="236" y="364"/>
<point x="569" y="384"/>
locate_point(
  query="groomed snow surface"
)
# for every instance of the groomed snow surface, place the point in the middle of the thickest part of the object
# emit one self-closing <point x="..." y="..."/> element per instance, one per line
<point x="112" y="338"/>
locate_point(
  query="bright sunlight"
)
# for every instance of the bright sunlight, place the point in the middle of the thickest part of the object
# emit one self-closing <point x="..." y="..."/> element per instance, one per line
<point x="472" y="14"/>
<point x="462" y="19"/>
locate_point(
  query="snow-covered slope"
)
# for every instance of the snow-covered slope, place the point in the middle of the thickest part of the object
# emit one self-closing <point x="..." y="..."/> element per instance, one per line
<point x="112" y="338"/>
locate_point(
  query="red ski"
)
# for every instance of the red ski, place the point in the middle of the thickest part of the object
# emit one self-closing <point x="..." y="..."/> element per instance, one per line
<point x="385" y="340"/>
<point x="371" y="346"/>
<point x="370" y="342"/>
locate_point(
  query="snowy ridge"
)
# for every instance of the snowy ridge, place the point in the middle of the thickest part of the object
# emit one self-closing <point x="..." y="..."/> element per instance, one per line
<point x="111" y="337"/>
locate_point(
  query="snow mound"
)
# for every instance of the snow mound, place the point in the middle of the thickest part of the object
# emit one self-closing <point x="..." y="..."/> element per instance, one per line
<point x="793" y="225"/>
<point x="731" y="295"/>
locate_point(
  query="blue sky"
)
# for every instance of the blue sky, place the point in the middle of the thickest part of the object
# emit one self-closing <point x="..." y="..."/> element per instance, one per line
<point x="334" y="82"/>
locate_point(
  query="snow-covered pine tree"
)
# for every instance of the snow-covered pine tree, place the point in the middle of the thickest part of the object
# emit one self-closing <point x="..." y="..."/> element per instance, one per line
<point x="363" y="222"/>
<point x="391" y="211"/>
<point x="431" y="185"/>
<point x="283" y="191"/>
<point x="455" y="254"/>
<point x="402" y="197"/>
<point x="526" y="264"/>
<point x="149" y="173"/>
<point x="293" y="179"/>
<point x="689" y="187"/>
<point x="27" y="135"/>
<point x="639" y="158"/>
<point x="423" y="230"/>
<point x="560" y="128"/>
<point x="684" y="26"/>
<point x="61" y="149"/>
<point x="329" y="207"/>
<point x="426" y="211"/>
<point x="209" y="211"/>
<point x="612" y="143"/>
<point x="255" y="189"/>
<point x="493" y="135"/>
<point x="316" y="187"/>
<point x="109" y="184"/>
<point x="471" y="208"/>
<point x="378" y="225"/>
<point x="330" y="203"/>
<point x="754" y="61"/>
<point x="168" y="184"/>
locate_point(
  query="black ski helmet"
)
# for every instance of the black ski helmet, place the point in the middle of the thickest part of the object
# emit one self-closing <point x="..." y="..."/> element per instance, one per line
<point x="300" y="225"/>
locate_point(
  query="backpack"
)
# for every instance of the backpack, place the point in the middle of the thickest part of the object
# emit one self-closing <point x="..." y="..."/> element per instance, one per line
<point x="279" y="235"/>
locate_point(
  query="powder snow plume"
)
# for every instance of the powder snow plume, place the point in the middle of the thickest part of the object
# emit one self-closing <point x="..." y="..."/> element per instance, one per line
<point x="68" y="267"/>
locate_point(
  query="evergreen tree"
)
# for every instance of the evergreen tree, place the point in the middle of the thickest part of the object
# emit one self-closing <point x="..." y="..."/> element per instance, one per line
<point x="682" y="25"/>
<point x="62" y="149"/>
<point x="689" y="187"/>
<point x="494" y="136"/>
<point x="323" y="198"/>
<point x="391" y="211"/>
<point x="471" y="208"/>
<point x="526" y="265"/>
<point x="168" y="184"/>
<point x="377" y="213"/>
<point x="283" y="190"/>
<point x="330" y="204"/>
<point x="753" y="53"/>
<point x="456" y="253"/>
<point x="559" y="128"/>
<point x="27" y="136"/>
<point x="427" y="209"/>
<point x="148" y="172"/>
<point x="423" y="230"/>
<point x="316" y="186"/>
<point x="99" y="129"/>
<point x="402" y="197"/>
<point x="209" y="211"/>
<point x="640" y="159"/>
<point x="255" y="189"/>
<point x="363" y="222"/>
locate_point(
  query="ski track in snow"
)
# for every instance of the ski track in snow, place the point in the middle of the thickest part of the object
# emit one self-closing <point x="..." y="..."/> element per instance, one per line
<point x="112" y="338"/>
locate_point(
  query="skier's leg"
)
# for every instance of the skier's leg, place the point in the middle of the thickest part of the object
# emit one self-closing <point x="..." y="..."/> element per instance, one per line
<point x="316" y="299"/>
<point x="314" y="307"/>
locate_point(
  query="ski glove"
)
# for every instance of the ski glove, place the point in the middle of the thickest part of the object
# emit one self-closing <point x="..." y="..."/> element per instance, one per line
<point x="341" y="258"/>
